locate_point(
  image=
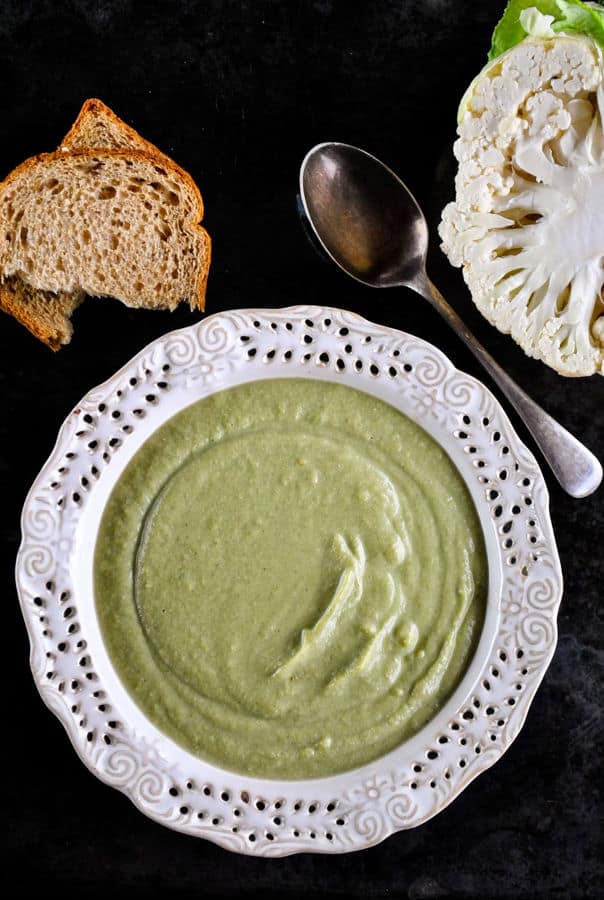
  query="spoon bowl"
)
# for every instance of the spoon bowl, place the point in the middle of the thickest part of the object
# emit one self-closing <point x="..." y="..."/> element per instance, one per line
<point x="370" y="224"/>
<point x="363" y="215"/>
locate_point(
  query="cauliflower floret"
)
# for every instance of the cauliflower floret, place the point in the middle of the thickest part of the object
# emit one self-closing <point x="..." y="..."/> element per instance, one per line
<point x="527" y="224"/>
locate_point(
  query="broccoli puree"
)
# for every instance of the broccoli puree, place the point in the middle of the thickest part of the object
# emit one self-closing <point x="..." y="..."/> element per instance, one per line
<point x="290" y="578"/>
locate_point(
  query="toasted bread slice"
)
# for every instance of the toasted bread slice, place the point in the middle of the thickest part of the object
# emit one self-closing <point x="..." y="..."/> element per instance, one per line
<point x="47" y="313"/>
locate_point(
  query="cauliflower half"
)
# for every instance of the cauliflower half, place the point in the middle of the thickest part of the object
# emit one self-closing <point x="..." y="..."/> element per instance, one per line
<point x="527" y="224"/>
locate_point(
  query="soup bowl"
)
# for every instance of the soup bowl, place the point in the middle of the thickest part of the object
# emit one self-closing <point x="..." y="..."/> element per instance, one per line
<point x="75" y="673"/>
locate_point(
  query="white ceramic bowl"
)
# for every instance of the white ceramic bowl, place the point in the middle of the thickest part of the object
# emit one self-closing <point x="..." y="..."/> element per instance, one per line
<point x="75" y="675"/>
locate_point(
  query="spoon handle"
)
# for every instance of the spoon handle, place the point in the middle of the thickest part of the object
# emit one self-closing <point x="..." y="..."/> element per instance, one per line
<point x="575" y="467"/>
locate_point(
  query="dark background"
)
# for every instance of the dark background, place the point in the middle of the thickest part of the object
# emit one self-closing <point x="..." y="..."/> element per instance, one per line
<point x="237" y="92"/>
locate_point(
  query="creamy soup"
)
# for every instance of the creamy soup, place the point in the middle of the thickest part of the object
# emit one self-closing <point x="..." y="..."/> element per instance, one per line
<point x="290" y="578"/>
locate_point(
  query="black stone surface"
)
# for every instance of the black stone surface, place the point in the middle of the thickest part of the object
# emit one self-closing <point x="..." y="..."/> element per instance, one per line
<point x="237" y="92"/>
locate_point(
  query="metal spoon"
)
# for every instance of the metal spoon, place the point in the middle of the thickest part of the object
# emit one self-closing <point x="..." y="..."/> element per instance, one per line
<point x="372" y="227"/>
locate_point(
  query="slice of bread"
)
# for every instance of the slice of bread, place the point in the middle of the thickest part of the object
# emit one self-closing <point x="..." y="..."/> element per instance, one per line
<point x="148" y="250"/>
<point x="48" y="315"/>
<point x="113" y="223"/>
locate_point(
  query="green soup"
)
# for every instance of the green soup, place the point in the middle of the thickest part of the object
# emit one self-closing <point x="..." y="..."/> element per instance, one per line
<point x="290" y="578"/>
